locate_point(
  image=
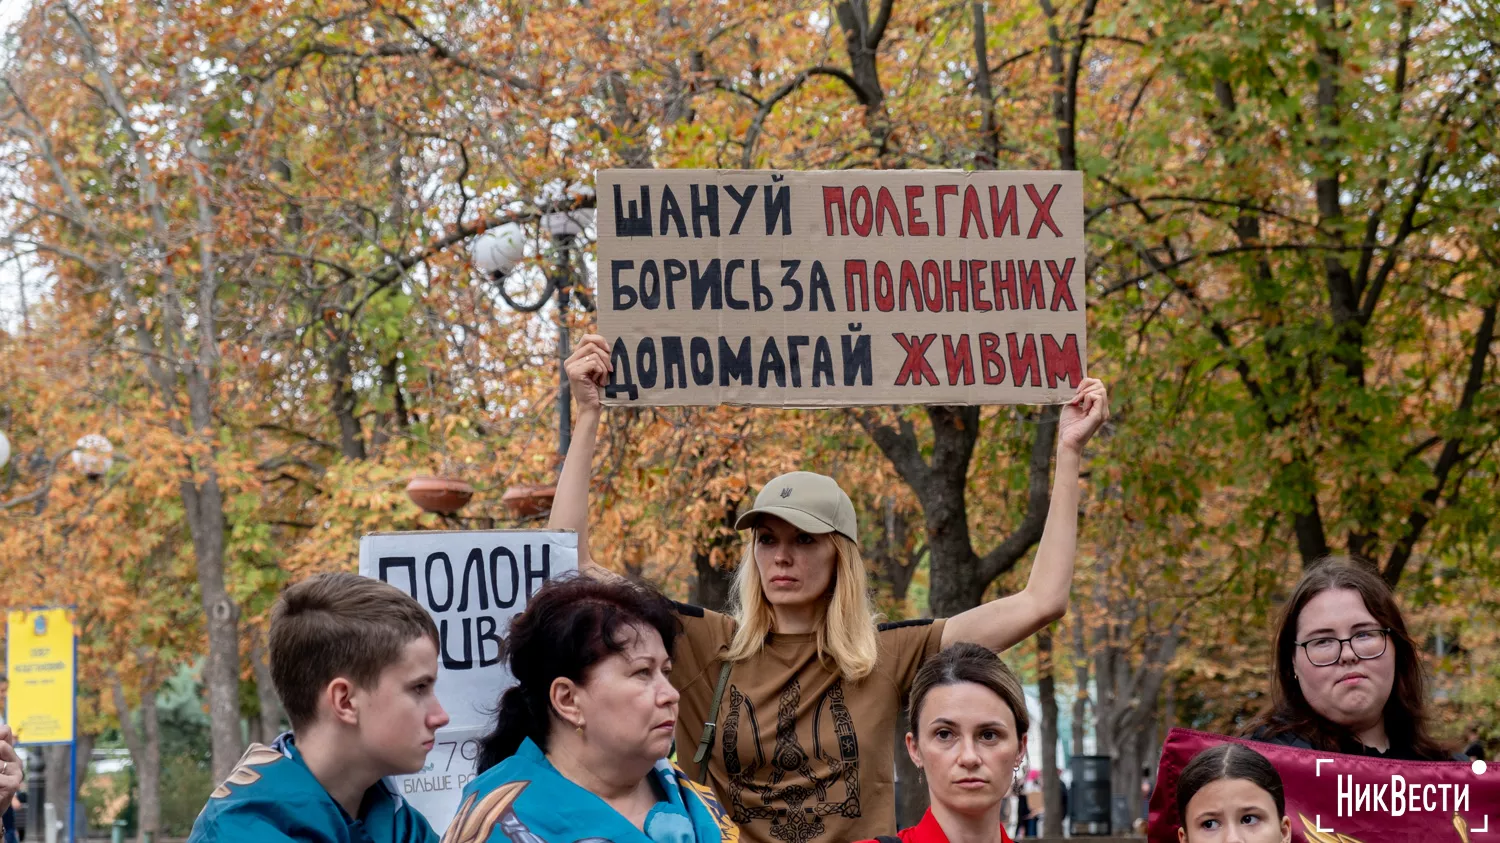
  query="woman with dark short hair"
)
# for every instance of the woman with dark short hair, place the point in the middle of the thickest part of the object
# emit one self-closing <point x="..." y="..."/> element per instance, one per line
<point x="1348" y="678"/>
<point x="580" y="745"/>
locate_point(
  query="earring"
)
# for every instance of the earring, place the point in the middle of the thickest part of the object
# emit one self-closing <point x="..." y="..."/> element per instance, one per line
<point x="579" y="728"/>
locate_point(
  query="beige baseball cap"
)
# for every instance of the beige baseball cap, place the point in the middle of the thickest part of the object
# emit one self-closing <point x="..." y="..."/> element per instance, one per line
<point x="810" y="502"/>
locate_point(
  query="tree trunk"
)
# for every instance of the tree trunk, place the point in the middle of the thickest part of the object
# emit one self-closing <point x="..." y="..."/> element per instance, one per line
<point x="911" y="789"/>
<point x="144" y="743"/>
<point x="1051" y="781"/>
<point x="1081" y="691"/>
<point x="714" y="584"/>
<point x="59" y="783"/>
<point x="265" y="690"/>
<point x="341" y="373"/>
<point x="221" y="672"/>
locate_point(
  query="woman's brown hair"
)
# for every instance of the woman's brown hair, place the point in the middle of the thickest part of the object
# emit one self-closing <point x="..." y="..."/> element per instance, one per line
<point x="964" y="662"/>
<point x="1405" y="711"/>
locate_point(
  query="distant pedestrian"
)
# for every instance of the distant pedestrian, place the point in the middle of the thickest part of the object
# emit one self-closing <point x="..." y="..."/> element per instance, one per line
<point x="1475" y="749"/>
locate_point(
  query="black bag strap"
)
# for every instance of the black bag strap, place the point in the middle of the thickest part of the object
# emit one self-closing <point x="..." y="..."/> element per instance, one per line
<point x="887" y="838"/>
<point x="706" y="743"/>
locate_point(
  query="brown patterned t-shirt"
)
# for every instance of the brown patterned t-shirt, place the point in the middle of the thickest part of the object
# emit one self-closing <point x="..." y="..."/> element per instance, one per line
<point x="801" y="754"/>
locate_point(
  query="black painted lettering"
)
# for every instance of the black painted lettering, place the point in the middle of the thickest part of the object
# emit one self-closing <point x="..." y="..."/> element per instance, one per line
<point x="705" y="208"/>
<point x="536" y="577"/>
<point x="620" y="380"/>
<point x="674" y="270"/>
<point x="789" y="281"/>
<point x="432" y="598"/>
<point x="744" y="201"/>
<point x="701" y="360"/>
<point x="636" y="221"/>
<point x="857" y="361"/>
<point x="409" y="563"/>
<point x="778" y="209"/>
<point x="822" y="367"/>
<point x="489" y="632"/>
<point x="673" y="360"/>
<point x="819" y="284"/>
<point x="515" y="577"/>
<point x="671" y="212"/>
<point x="759" y="293"/>
<point x="650" y="285"/>
<point x="735" y="364"/>
<point x="623" y="296"/>
<point x="729" y="268"/>
<point x="771" y="364"/>
<point x="708" y="284"/>
<point x="646" y="363"/>
<point x="474" y="563"/>
<point x="794" y="359"/>
<point x="444" y="639"/>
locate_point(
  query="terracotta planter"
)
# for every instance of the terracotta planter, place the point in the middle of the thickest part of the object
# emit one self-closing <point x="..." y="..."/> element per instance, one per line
<point x="443" y="495"/>
<point x="528" y="501"/>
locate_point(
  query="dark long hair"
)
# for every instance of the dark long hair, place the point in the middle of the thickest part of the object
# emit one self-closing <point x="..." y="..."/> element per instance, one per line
<point x="1228" y="761"/>
<point x="1405" y="711"/>
<point x="969" y="663"/>
<point x="569" y="626"/>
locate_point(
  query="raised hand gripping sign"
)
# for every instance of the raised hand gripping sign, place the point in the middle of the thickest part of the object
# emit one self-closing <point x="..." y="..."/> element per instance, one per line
<point x="821" y="288"/>
<point x="1336" y="798"/>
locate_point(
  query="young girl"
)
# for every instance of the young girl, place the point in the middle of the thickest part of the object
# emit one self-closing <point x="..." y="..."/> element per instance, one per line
<point x="787" y="704"/>
<point x="1231" y="794"/>
<point x="968" y="737"/>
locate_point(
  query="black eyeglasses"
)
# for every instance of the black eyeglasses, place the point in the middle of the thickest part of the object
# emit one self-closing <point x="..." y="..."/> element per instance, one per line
<point x="1365" y="644"/>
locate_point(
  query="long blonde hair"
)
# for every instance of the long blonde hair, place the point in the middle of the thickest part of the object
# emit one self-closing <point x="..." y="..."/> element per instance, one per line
<point x="847" y="631"/>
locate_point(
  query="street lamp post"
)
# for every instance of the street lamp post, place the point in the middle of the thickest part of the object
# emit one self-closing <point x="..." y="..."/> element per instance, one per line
<point x="498" y="252"/>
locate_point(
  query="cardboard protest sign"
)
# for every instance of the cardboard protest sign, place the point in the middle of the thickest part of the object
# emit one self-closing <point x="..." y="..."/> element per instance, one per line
<point x="472" y="583"/>
<point x="1335" y="798"/>
<point x="811" y="289"/>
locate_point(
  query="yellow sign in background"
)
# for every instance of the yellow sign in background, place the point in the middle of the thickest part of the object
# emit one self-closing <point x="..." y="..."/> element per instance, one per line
<point x="39" y="660"/>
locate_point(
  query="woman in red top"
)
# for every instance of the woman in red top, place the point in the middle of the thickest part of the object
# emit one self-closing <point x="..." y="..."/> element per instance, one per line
<point x="968" y="737"/>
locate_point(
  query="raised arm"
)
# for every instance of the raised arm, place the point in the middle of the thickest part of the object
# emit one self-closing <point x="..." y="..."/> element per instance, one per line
<point x="1003" y="623"/>
<point x="588" y="370"/>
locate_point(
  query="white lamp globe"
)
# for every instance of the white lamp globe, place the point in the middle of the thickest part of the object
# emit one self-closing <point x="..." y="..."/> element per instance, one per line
<point x="568" y="223"/>
<point x="4" y="450"/>
<point x="497" y="251"/>
<point x="92" y="455"/>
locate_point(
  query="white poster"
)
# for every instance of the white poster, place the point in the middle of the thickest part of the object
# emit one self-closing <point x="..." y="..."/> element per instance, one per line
<point x="472" y="583"/>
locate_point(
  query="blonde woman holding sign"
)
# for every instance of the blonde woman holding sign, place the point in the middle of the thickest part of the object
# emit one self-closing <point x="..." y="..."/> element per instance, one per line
<point x="789" y="702"/>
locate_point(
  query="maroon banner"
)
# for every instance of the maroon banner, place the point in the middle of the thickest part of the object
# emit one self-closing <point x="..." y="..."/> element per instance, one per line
<point x="1336" y="798"/>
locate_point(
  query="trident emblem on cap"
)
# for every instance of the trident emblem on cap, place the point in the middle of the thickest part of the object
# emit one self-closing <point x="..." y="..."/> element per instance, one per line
<point x="787" y="492"/>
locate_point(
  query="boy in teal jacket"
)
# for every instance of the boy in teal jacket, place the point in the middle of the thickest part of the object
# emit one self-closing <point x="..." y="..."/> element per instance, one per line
<point x="354" y="661"/>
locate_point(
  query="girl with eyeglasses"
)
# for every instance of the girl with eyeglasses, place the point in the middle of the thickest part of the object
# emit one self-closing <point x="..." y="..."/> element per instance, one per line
<point x="1348" y="678"/>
